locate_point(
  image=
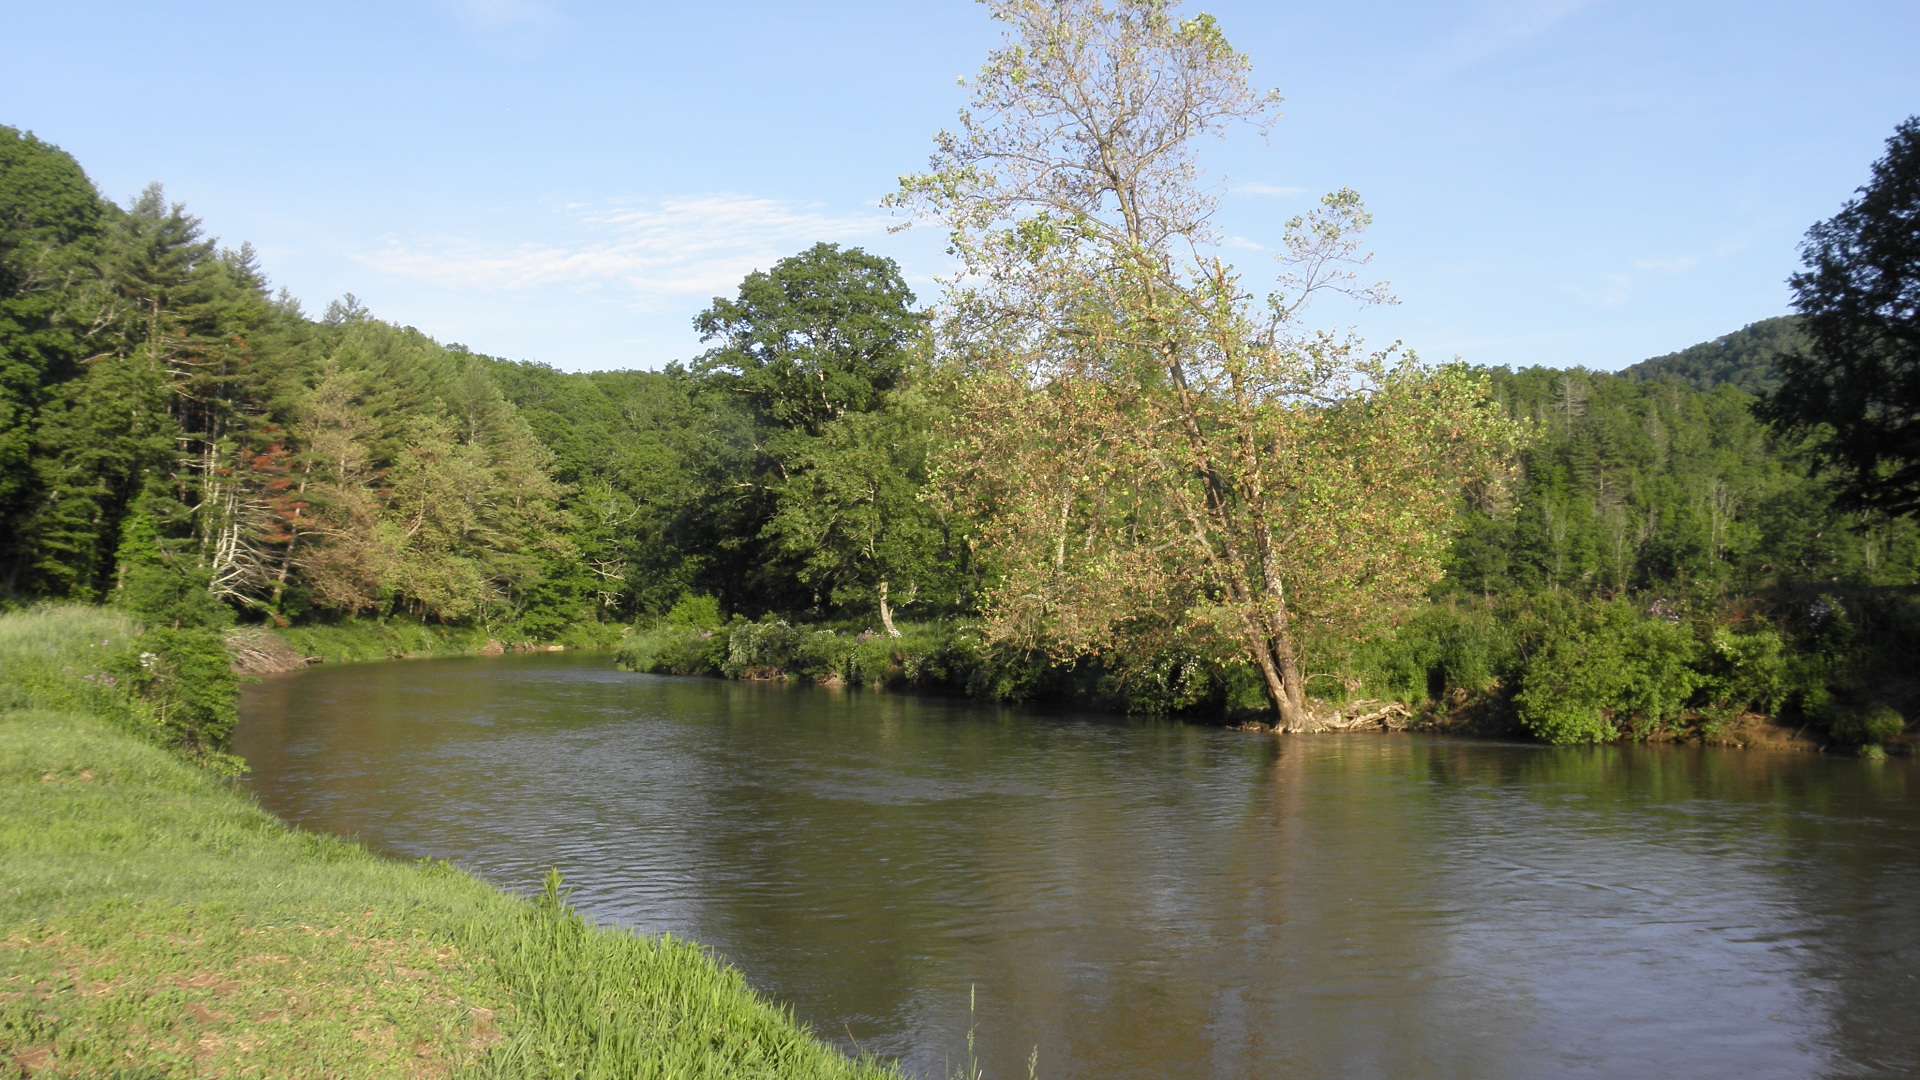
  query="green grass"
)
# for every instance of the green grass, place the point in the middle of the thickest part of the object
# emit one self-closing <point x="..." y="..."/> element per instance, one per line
<point x="359" y="640"/>
<point x="404" y="639"/>
<point x="154" y="922"/>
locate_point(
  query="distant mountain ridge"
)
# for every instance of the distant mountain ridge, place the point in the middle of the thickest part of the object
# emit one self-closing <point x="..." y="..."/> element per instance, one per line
<point x="1745" y="359"/>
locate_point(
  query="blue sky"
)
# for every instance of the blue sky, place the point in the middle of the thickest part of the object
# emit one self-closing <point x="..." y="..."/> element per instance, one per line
<point x="1553" y="181"/>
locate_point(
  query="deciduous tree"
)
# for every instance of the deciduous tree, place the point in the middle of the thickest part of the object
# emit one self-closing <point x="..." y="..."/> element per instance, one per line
<point x="1158" y="459"/>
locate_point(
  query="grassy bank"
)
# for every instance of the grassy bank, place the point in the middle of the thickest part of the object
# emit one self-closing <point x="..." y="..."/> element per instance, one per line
<point x="157" y="923"/>
<point x="260" y="650"/>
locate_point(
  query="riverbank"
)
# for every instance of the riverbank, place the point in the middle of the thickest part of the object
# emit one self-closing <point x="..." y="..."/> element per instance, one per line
<point x="261" y="650"/>
<point x="1549" y="668"/>
<point x="159" y="923"/>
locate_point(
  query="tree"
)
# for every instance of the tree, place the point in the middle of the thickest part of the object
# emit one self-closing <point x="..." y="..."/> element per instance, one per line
<point x="98" y="440"/>
<point x="1154" y="458"/>
<point x="825" y="332"/>
<point x="824" y="335"/>
<point x="850" y="517"/>
<point x="158" y="577"/>
<point x="1856" y="384"/>
<point x="50" y="224"/>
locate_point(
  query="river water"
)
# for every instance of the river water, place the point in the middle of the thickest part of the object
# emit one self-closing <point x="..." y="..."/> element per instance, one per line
<point x="1140" y="899"/>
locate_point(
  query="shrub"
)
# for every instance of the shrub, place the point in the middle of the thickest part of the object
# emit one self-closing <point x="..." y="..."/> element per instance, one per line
<point x="1867" y="726"/>
<point x="1166" y="683"/>
<point x="823" y="655"/>
<point x="760" y="650"/>
<point x="186" y="679"/>
<point x="1606" y="664"/>
<point x="697" y="612"/>
<point x="1440" y="648"/>
<point x="1747" y="670"/>
<point x="667" y="649"/>
<point x="174" y="687"/>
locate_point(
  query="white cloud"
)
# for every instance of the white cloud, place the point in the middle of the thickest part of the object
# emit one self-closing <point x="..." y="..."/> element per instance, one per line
<point x="653" y="252"/>
<point x="1272" y="191"/>
<point x="1678" y="264"/>
<point x="1242" y="243"/>
<point x="1610" y="291"/>
<point x="1498" y="26"/>
<point x="494" y="15"/>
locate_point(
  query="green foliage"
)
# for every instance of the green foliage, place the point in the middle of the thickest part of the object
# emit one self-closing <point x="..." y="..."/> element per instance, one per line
<point x="697" y="612"/>
<point x="1653" y="486"/>
<point x="186" y="678"/>
<point x="760" y="650"/>
<point x="161" y="581"/>
<point x="1855" y="387"/>
<point x="824" y="333"/>
<point x="1868" y="725"/>
<point x="1747" y="669"/>
<point x="1606" y="671"/>
<point x="383" y="639"/>
<point x="673" y="649"/>
<point x="1439" y="649"/>
<point x="849" y="518"/>
<point x="50" y="223"/>
<point x="1747" y="359"/>
<point x="181" y="444"/>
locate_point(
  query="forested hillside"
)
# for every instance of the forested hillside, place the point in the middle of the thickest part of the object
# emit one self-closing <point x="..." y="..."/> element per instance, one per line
<point x="180" y="440"/>
<point x="1746" y="359"/>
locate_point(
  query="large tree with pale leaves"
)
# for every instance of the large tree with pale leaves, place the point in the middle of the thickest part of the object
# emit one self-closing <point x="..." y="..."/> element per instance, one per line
<point x="1160" y="459"/>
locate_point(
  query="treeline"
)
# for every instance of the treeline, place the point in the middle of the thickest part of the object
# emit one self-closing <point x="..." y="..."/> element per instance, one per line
<point x="178" y="436"/>
<point x="1667" y="562"/>
<point x="178" y="439"/>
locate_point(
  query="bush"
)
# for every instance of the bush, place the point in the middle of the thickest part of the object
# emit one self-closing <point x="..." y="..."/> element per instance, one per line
<point x="1867" y="726"/>
<point x="824" y="656"/>
<point x="173" y="687"/>
<point x="186" y="678"/>
<point x="695" y="612"/>
<point x="1440" y="648"/>
<point x="668" y="649"/>
<point x="1606" y="664"/>
<point x="760" y="650"/>
<point x="1747" y="670"/>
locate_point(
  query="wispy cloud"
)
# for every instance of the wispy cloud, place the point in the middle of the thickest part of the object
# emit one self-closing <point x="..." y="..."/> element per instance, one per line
<point x="647" y="253"/>
<point x="1271" y="191"/>
<point x="1609" y="291"/>
<point x="1497" y="26"/>
<point x="1241" y="243"/>
<point x="495" y="15"/>
<point x="1614" y="289"/>
<point x="1677" y="264"/>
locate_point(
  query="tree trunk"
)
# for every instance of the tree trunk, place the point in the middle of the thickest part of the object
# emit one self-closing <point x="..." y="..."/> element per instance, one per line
<point x="886" y="612"/>
<point x="1292" y="703"/>
<point x="1280" y="671"/>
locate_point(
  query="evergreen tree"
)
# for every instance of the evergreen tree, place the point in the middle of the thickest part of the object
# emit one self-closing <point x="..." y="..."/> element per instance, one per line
<point x="51" y="219"/>
<point x="1857" y="382"/>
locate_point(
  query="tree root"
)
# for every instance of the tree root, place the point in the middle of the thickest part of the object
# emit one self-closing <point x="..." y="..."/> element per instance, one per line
<point x="1366" y="715"/>
<point x="260" y="652"/>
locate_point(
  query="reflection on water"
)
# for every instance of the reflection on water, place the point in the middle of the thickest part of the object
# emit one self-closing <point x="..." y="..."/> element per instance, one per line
<point x="1139" y="899"/>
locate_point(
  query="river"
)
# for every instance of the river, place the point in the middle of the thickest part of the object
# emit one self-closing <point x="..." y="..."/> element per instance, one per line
<point x="1146" y="899"/>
